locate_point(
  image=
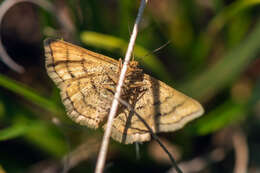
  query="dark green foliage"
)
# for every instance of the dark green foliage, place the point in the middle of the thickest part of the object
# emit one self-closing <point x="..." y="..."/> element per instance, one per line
<point x="212" y="56"/>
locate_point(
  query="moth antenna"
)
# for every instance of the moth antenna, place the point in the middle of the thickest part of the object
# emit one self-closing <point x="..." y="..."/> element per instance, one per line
<point x="161" y="47"/>
<point x="133" y="56"/>
<point x="157" y="49"/>
<point x="129" y="32"/>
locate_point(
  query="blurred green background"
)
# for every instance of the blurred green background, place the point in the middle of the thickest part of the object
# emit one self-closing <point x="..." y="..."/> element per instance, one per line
<point x="212" y="56"/>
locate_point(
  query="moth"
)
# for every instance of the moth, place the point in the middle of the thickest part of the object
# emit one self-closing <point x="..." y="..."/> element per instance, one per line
<point x="87" y="83"/>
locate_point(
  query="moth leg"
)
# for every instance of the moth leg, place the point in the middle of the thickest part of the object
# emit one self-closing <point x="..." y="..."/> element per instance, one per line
<point x="131" y="68"/>
<point x="110" y="84"/>
<point x="109" y="88"/>
<point x="114" y="79"/>
<point x="120" y="65"/>
<point x="137" y="85"/>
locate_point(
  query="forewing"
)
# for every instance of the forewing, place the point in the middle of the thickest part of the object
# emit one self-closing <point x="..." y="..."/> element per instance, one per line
<point x="81" y="75"/>
<point x="86" y="103"/>
<point x="162" y="107"/>
<point x="65" y="61"/>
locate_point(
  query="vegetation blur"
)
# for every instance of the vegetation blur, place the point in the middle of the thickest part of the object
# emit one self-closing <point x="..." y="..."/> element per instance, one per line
<point x="211" y="55"/>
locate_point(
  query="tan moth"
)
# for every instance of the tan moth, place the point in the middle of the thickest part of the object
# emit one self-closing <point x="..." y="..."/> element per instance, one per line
<point x="87" y="83"/>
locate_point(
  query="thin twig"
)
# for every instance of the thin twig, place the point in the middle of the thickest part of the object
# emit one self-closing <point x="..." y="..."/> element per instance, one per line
<point x="82" y="153"/>
<point x="66" y="160"/>
<point x="241" y="152"/>
<point x="198" y="164"/>
<point x="4" y="7"/>
<point x="113" y="110"/>
<point x="152" y="133"/>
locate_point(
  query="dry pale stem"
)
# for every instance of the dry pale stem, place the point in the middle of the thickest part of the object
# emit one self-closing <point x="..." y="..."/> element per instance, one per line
<point x="113" y="110"/>
<point x="4" y="7"/>
<point x="241" y="152"/>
